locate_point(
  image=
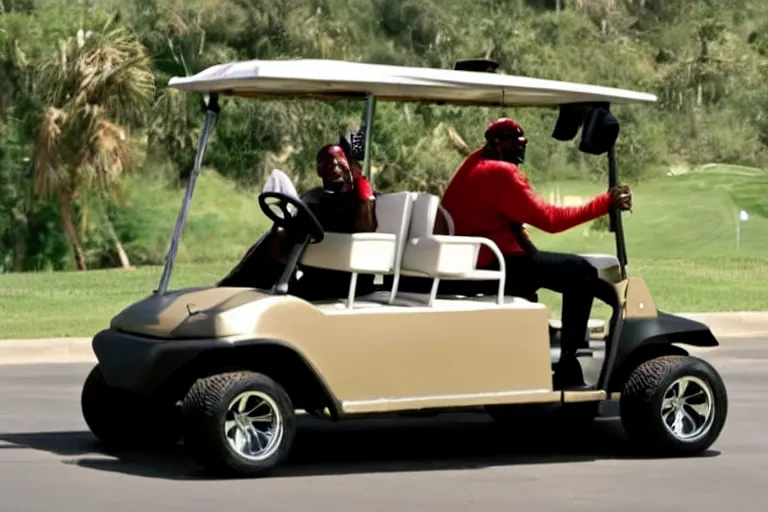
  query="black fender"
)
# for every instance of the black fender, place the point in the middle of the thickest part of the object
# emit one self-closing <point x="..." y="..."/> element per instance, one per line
<point x="639" y="339"/>
<point x="147" y="365"/>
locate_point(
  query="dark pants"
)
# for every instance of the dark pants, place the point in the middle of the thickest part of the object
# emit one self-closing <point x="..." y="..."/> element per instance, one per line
<point x="567" y="274"/>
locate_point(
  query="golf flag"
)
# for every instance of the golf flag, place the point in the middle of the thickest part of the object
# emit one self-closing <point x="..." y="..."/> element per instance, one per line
<point x="743" y="217"/>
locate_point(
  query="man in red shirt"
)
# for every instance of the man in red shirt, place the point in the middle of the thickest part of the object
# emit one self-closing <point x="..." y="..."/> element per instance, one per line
<point x="490" y="197"/>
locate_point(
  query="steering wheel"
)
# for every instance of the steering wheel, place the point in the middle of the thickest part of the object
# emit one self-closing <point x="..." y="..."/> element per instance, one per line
<point x="290" y="213"/>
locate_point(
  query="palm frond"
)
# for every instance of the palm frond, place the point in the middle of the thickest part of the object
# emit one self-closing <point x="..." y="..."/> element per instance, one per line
<point x="49" y="174"/>
<point x="110" y="156"/>
<point x="110" y="69"/>
<point x="96" y="83"/>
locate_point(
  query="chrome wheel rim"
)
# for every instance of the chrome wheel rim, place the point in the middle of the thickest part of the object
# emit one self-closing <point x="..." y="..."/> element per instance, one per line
<point x="253" y="425"/>
<point x="688" y="409"/>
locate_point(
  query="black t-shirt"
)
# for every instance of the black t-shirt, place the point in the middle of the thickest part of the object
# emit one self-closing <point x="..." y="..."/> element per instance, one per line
<point x="336" y="213"/>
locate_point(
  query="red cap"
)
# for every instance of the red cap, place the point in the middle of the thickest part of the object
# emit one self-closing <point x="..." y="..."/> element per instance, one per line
<point x="503" y="128"/>
<point x="330" y="150"/>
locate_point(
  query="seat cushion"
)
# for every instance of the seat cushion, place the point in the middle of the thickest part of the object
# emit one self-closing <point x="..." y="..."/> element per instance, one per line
<point x="601" y="261"/>
<point x="356" y="252"/>
<point x="607" y="266"/>
<point x="441" y="255"/>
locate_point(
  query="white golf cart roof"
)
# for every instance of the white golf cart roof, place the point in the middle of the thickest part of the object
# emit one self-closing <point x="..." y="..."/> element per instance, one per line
<point x="333" y="79"/>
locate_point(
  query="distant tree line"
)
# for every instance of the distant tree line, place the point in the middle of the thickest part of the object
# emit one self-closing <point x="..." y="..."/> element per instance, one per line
<point x="84" y="104"/>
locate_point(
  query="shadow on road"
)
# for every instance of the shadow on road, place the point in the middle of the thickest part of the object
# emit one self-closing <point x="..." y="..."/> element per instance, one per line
<point x="369" y="446"/>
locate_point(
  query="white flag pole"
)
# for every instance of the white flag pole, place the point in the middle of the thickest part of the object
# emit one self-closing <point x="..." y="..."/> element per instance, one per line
<point x="743" y="217"/>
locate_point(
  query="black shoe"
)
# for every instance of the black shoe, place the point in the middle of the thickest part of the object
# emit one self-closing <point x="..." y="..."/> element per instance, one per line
<point x="568" y="373"/>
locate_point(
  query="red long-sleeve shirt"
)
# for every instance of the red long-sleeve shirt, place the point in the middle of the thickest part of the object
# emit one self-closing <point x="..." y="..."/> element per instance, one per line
<point x="488" y="197"/>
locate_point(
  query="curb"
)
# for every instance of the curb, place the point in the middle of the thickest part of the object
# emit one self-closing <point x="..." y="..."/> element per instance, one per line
<point x="46" y="351"/>
<point x="725" y="326"/>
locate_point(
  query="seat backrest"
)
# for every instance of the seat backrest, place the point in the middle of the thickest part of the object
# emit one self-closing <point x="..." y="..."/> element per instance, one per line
<point x="425" y="209"/>
<point x="393" y="213"/>
<point x="444" y="223"/>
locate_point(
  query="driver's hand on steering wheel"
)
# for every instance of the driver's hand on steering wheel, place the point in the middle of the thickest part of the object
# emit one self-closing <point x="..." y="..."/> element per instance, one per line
<point x="621" y="197"/>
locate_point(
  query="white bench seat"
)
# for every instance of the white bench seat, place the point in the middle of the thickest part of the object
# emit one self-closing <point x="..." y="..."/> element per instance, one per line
<point x="607" y="265"/>
<point x="363" y="253"/>
<point x="381" y="301"/>
<point x="367" y="253"/>
<point x="472" y="275"/>
<point x="446" y="256"/>
<point x="442" y="257"/>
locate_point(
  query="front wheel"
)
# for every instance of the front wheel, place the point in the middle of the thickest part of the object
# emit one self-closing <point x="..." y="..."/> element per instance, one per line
<point x="238" y="423"/>
<point x="674" y="405"/>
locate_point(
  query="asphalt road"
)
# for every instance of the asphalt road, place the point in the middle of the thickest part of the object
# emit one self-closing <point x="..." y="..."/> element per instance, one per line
<point x="49" y="461"/>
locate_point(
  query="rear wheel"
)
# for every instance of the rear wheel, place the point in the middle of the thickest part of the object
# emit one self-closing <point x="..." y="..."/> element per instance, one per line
<point x="124" y="420"/>
<point x="239" y="423"/>
<point x="674" y="405"/>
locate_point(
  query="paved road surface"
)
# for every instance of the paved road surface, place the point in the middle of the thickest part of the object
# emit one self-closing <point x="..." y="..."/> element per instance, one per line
<point x="48" y="461"/>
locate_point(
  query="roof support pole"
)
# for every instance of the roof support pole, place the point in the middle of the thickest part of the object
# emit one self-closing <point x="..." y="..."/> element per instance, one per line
<point x="211" y="113"/>
<point x="615" y="215"/>
<point x="370" y="110"/>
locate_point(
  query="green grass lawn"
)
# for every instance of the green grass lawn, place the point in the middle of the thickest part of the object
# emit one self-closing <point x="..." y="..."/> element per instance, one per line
<point x="692" y="216"/>
<point x="221" y="223"/>
<point x="681" y="238"/>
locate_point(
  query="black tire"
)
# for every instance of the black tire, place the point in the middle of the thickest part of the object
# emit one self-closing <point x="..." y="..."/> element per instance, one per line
<point x="205" y="411"/>
<point x="124" y="420"/>
<point x="641" y="405"/>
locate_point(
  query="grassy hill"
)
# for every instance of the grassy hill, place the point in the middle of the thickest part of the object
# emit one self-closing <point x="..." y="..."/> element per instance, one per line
<point x="680" y="238"/>
<point x="705" y="61"/>
<point x="222" y="220"/>
<point x="689" y="216"/>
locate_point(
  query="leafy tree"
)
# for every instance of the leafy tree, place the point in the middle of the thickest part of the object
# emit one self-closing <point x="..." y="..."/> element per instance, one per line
<point x="83" y="124"/>
<point x="96" y="81"/>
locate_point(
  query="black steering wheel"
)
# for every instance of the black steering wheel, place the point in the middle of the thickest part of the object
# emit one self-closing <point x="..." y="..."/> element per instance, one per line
<point x="292" y="215"/>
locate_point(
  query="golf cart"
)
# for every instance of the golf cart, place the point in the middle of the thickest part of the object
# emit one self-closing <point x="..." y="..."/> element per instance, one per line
<point x="225" y="369"/>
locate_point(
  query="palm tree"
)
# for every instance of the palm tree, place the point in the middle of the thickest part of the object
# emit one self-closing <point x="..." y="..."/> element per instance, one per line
<point x="96" y="86"/>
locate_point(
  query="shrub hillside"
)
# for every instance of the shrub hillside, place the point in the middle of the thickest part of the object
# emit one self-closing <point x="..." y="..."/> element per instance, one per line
<point x="92" y="155"/>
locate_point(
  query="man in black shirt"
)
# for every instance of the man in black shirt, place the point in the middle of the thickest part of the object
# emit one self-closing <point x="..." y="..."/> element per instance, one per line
<point x="344" y="203"/>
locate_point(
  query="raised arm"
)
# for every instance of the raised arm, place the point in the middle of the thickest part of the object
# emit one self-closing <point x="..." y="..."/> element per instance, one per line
<point x="365" y="216"/>
<point x="520" y="203"/>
